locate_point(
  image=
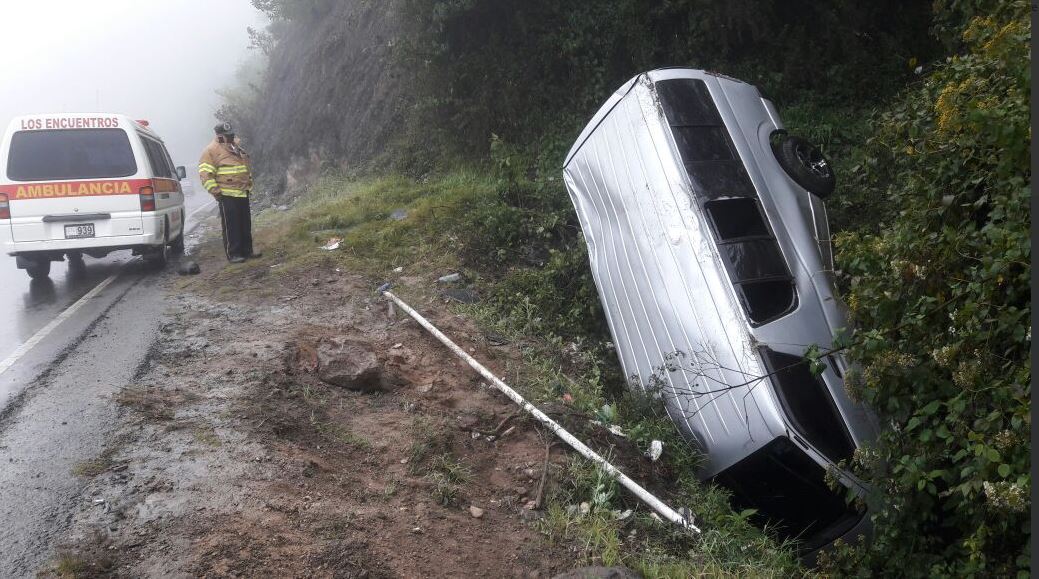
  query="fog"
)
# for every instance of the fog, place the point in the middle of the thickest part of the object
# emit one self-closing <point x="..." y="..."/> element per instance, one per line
<point x="160" y="60"/>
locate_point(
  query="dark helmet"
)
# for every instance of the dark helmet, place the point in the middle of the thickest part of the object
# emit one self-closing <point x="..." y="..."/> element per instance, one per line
<point x="224" y="129"/>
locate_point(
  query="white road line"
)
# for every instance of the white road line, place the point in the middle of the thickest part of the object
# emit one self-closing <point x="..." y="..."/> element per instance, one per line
<point x="206" y="206"/>
<point x="46" y="330"/>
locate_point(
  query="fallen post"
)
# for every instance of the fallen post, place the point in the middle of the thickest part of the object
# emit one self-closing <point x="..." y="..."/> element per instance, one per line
<point x="636" y="489"/>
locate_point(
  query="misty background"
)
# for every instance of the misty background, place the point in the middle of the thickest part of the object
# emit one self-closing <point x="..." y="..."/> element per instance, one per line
<point x="163" y="61"/>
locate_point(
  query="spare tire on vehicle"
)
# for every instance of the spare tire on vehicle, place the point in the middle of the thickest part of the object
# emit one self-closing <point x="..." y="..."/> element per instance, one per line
<point x="805" y="164"/>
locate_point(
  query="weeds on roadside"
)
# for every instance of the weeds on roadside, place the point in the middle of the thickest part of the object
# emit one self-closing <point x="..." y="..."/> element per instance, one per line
<point x="93" y="467"/>
<point x="340" y="434"/>
<point x="447" y="475"/>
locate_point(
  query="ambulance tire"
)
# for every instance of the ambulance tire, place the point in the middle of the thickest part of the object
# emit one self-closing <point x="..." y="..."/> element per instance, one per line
<point x="157" y="256"/>
<point x="39" y="269"/>
<point x="177" y="245"/>
<point x="76" y="263"/>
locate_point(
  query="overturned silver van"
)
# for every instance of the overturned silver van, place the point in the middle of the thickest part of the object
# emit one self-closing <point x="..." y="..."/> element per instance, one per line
<point x="708" y="241"/>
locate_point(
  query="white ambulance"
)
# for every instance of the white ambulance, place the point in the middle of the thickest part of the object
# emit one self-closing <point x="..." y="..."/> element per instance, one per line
<point x="75" y="184"/>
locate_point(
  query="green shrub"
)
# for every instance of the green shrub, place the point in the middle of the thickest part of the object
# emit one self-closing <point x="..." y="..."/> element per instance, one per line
<point x="941" y="297"/>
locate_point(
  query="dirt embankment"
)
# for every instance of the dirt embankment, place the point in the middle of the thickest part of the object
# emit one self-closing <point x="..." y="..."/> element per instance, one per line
<point x="237" y="459"/>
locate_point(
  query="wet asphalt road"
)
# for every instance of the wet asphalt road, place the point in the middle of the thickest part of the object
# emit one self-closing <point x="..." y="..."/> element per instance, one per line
<point x="56" y="410"/>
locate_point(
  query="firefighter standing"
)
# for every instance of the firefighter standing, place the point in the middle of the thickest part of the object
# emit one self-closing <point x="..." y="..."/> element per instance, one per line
<point x="225" y="173"/>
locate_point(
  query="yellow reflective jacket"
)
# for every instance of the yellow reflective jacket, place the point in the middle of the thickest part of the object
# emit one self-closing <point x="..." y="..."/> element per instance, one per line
<point x="224" y="169"/>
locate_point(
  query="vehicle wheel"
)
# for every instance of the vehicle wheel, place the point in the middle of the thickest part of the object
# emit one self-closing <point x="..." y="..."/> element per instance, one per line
<point x="158" y="256"/>
<point x="39" y="269"/>
<point x="177" y="246"/>
<point x="76" y="262"/>
<point x="805" y="164"/>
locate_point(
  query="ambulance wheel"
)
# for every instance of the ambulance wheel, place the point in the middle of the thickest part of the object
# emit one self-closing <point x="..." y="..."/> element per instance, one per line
<point x="39" y="269"/>
<point x="76" y="260"/>
<point x="177" y="246"/>
<point x="157" y="256"/>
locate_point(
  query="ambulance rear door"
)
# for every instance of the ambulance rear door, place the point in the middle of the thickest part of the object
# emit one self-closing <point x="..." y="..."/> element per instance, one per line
<point x="78" y="183"/>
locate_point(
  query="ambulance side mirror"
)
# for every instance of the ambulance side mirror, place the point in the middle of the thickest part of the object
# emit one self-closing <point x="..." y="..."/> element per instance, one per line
<point x="182" y="173"/>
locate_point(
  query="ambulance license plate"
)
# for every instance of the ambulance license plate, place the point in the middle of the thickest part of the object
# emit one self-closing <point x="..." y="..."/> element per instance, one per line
<point x="79" y="231"/>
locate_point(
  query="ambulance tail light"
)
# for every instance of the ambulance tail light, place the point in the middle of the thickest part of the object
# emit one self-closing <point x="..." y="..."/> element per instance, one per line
<point x="147" y="194"/>
<point x="5" y="207"/>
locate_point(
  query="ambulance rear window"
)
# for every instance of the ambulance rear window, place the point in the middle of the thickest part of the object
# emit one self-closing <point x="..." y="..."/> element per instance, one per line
<point x="70" y="154"/>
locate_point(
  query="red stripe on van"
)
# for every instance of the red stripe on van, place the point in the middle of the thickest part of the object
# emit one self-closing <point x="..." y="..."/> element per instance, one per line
<point x="24" y="191"/>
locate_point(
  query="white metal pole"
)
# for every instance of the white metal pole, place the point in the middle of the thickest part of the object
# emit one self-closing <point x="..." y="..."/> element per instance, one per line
<point x="642" y="494"/>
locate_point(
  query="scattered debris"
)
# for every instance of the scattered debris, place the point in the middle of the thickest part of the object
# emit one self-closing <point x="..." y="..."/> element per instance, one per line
<point x="460" y="295"/>
<point x="189" y="268"/>
<point x="540" y="496"/>
<point x="613" y="428"/>
<point x="496" y="339"/>
<point x="497" y="432"/>
<point x="656" y="448"/>
<point x="332" y="244"/>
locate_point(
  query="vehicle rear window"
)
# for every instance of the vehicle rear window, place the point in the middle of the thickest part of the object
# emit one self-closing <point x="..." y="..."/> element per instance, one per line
<point x="70" y="154"/>
<point x="789" y="492"/>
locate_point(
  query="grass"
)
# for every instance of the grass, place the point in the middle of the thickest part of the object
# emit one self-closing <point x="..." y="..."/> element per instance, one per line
<point x="93" y="467"/>
<point x="447" y="475"/>
<point x="452" y="222"/>
<point x="70" y="566"/>
<point x="428" y="440"/>
<point x="205" y="434"/>
<point x="360" y="212"/>
<point x="340" y="434"/>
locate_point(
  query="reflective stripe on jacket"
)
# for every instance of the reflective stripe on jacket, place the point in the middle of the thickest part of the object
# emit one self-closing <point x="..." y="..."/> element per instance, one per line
<point x="224" y="168"/>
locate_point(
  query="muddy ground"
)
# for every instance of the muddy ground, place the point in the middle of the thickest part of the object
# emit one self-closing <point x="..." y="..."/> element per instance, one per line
<point x="235" y="459"/>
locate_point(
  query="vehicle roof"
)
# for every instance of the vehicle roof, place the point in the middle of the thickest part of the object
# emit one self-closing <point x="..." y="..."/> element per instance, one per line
<point x="125" y="122"/>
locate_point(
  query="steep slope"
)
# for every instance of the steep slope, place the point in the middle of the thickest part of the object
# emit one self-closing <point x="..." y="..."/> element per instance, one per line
<point x="333" y="93"/>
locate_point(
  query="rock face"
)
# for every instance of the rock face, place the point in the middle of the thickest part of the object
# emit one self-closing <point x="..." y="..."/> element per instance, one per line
<point x="349" y="364"/>
<point x="335" y="91"/>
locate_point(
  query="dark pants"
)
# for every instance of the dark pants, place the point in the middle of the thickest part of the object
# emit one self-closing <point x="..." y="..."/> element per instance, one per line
<point x="238" y="228"/>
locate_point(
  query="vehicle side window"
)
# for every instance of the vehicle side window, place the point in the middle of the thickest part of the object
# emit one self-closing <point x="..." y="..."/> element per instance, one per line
<point x="159" y="164"/>
<point x="169" y="161"/>
<point x="736" y="218"/>
<point x="808" y="405"/>
<point x="724" y="191"/>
